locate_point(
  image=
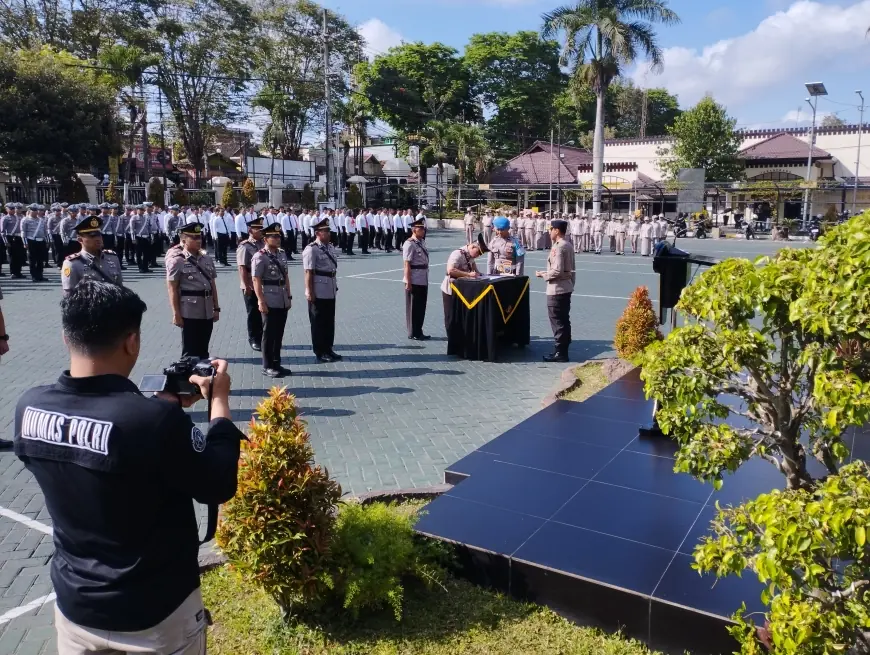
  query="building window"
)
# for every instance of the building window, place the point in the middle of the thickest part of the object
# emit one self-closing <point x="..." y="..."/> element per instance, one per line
<point x="775" y="176"/>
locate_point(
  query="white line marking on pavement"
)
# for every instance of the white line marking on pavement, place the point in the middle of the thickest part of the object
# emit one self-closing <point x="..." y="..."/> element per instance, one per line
<point x="30" y="523"/>
<point x="23" y="609"/>
<point x="392" y="270"/>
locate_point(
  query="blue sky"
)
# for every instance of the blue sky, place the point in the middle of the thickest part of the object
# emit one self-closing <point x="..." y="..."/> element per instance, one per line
<point x="752" y="55"/>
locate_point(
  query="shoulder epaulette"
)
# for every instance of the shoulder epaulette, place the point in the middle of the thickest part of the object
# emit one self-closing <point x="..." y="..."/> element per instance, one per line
<point x="110" y="252"/>
<point x="73" y="256"/>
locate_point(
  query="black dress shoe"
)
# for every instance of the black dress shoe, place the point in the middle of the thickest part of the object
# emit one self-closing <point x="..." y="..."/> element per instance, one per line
<point x="272" y="372"/>
<point x="256" y="346"/>
<point x="323" y="359"/>
<point x="5" y="444"/>
<point x="285" y="371"/>
<point x="556" y="357"/>
<point x="420" y="337"/>
<point x="17" y="277"/>
<point x="335" y="356"/>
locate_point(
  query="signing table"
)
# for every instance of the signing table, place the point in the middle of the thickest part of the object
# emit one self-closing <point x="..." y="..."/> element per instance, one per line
<point x="488" y="311"/>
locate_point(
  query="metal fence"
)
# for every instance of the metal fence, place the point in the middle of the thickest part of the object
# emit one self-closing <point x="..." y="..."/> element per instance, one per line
<point x="45" y="193"/>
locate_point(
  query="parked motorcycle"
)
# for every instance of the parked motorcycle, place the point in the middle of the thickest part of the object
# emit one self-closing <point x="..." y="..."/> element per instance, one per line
<point x="748" y="231"/>
<point x="815" y="228"/>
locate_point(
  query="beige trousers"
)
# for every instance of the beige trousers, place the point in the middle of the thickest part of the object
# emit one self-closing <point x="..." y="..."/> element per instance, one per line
<point x="180" y="633"/>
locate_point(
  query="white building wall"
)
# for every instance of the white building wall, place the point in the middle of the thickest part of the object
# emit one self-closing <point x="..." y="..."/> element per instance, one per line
<point x="841" y="143"/>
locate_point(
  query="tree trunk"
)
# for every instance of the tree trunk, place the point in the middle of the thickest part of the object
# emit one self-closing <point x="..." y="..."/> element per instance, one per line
<point x="459" y="191"/>
<point x="598" y="151"/>
<point x="794" y="463"/>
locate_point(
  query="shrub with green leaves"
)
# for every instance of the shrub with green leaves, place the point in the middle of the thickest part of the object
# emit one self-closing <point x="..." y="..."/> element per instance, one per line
<point x="307" y="197"/>
<point x="810" y="550"/>
<point x="230" y="199"/>
<point x="249" y="192"/>
<point x="787" y="339"/>
<point x="180" y="197"/>
<point x="374" y="549"/>
<point x="278" y="529"/>
<point x="638" y="326"/>
<point x="202" y="198"/>
<point x="155" y="192"/>
<point x="354" y="199"/>
<point x="112" y="195"/>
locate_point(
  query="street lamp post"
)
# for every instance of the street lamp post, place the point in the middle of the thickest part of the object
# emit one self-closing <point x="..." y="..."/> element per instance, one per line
<point x="815" y="89"/>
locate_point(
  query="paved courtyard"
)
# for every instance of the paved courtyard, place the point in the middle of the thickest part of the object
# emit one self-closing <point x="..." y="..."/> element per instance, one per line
<point x="393" y="414"/>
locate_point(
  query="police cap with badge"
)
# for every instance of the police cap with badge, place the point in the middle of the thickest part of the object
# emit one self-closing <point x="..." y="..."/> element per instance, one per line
<point x="322" y="225"/>
<point x="191" y="229"/>
<point x="256" y="222"/>
<point x="89" y="225"/>
<point x="419" y="222"/>
<point x="272" y="230"/>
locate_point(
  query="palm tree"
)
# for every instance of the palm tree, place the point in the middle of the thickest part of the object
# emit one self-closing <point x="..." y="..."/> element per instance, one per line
<point x="471" y="147"/>
<point x="439" y="135"/>
<point x="602" y="38"/>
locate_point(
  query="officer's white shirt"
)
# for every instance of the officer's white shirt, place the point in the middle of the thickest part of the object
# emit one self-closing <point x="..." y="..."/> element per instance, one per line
<point x="333" y="224"/>
<point x="241" y="224"/>
<point x="286" y="223"/>
<point x="350" y="224"/>
<point x="221" y="223"/>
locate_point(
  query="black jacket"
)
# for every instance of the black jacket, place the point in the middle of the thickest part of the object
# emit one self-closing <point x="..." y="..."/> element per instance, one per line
<point x="119" y="472"/>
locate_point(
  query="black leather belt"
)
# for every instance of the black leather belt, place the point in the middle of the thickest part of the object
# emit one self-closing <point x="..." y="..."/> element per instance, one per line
<point x="324" y="273"/>
<point x="273" y="283"/>
<point x="200" y="294"/>
<point x="419" y="267"/>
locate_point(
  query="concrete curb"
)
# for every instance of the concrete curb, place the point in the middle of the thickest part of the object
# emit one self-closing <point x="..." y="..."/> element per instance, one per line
<point x="567" y="381"/>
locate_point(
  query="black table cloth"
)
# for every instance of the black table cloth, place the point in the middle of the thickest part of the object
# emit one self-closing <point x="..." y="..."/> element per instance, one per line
<point x="487" y="312"/>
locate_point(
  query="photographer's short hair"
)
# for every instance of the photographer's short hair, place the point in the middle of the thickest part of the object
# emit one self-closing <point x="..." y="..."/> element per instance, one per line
<point x="97" y="316"/>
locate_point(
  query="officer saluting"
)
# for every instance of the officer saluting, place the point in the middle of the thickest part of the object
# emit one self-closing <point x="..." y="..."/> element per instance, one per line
<point x="416" y="258"/>
<point x="244" y="256"/>
<point x="321" y="267"/>
<point x="91" y="262"/>
<point x="190" y="278"/>
<point x="272" y="286"/>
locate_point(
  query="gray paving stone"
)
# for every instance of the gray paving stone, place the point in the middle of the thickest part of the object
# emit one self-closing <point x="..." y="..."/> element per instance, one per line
<point x="393" y="414"/>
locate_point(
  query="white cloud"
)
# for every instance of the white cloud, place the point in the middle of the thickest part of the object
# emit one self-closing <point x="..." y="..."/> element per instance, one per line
<point x="379" y="37"/>
<point x="806" y="39"/>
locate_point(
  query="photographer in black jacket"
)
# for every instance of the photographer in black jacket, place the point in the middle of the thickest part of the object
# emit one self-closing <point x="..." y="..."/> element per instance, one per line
<point x="119" y="472"/>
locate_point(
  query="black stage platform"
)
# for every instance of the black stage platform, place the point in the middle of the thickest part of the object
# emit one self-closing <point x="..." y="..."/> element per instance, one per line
<point x="571" y="509"/>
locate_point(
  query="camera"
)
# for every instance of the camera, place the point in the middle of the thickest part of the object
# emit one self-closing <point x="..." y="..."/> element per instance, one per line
<point x="176" y="376"/>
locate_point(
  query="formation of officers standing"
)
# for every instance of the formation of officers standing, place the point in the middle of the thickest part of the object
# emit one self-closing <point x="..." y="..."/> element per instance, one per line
<point x="585" y="233"/>
<point x="94" y="242"/>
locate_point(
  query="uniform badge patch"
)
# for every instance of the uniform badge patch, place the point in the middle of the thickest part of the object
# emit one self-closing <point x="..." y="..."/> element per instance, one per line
<point x="197" y="438"/>
<point x="66" y="272"/>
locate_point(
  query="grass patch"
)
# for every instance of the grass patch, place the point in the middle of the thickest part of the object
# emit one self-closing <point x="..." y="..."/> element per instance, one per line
<point x="463" y="620"/>
<point x="459" y="619"/>
<point x="590" y="380"/>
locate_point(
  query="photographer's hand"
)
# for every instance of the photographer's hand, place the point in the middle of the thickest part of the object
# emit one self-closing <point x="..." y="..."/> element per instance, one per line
<point x="220" y="389"/>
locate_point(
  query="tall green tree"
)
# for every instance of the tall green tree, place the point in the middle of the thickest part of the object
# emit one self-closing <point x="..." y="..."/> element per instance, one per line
<point x="293" y="95"/>
<point x="43" y="133"/>
<point x="204" y="49"/>
<point x="415" y="83"/>
<point x="662" y="110"/>
<point x="602" y="38"/>
<point x="703" y="137"/>
<point x="517" y="76"/>
<point x="472" y="151"/>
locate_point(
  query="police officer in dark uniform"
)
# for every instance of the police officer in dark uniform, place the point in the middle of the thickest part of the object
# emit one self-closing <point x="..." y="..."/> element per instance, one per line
<point x="244" y="256"/>
<point x="274" y="298"/>
<point x="190" y="278"/>
<point x="119" y="472"/>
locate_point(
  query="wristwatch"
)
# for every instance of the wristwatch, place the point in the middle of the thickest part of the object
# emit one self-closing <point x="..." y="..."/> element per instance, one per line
<point x="4" y="337"/>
